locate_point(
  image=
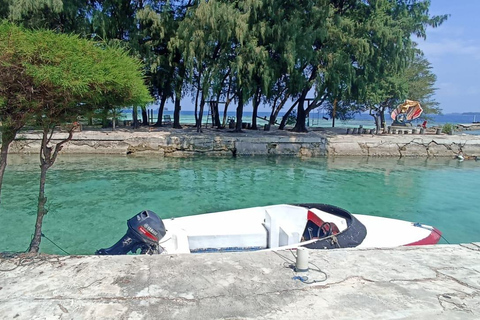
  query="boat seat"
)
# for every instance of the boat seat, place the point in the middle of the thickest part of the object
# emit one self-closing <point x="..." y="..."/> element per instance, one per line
<point x="239" y="236"/>
<point x="280" y="231"/>
<point x="177" y="241"/>
<point x="287" y="236"/>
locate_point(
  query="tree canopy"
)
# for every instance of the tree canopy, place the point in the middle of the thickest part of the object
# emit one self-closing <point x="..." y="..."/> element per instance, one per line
<point x="45" y="73"/>
<point x="354" y="52"/>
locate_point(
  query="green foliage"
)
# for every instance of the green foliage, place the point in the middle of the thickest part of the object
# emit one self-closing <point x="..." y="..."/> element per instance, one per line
<point x="379" y="37"/>
<point x="60" y="15"/>
<point x="448" y="128"/>
<point x="421" y="83"/>
<point x="60" y="76"/>
<point x="355" y="51"/>
<point x="53" y="78"/>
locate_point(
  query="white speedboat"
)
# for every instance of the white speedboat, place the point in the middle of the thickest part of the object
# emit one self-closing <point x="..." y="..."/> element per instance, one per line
<point x="314" y="226"/>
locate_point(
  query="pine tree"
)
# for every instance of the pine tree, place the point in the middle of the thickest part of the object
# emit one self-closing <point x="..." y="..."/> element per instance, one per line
<point x="54" y="78"/>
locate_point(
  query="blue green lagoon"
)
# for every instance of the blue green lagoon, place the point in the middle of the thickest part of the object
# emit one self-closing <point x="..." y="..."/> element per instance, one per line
<point x="91" y="197"/>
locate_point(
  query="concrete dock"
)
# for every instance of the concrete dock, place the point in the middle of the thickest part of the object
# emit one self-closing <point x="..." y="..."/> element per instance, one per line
<point x="168" y="142"/>
<point x="429" y="282"/>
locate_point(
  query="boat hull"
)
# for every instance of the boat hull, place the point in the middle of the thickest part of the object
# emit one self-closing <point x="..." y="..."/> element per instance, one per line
<point x="314" y="226"/>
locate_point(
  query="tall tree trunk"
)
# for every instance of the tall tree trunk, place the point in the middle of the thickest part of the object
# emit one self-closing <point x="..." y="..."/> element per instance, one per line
<point x="195" y="111"/>
<point x="238" y="127"/>
<point x="283" y="123"/>
<point x="382" y="118"/>
<point x="378" y="123"/>
<point x="228" y="99"/>
<point x="104" y="118"/>
<point x="176" y="111"/>
<point x="178" y="96"/>
<point x="225" y="111"/>
<point x="272" y="119"/>
<point x="114" y="118"/>
<point x="196" y="100"/>
<point x="334" y="112"/>
<point x="135" y="123"/>
<point x="7" y="138"/>
<point x="144" y="116"/>
<point x="47" y="159"/>
<point x="376" y="118"/>
<point x="200" y="115"/>
<point x="301" y="116"/>
<point x="276" y="109"/>
<point x="41" y="211"/>
<point x="256" y="103"/>
<point x="215" y="114"/>
<point x="163" y="100"/>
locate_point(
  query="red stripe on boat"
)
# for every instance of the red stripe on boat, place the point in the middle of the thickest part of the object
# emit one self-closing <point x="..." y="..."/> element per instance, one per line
<point x="147" y="233"/>
<point x="432" y="238"/>
<point x="314" y="218"/>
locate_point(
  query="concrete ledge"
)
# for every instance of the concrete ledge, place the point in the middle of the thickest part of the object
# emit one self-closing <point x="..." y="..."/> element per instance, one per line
<point x="318" y="143"/>
<point x="181" y="143"/>
<point x="403" y="145"/>
<point x="440" y="282"/>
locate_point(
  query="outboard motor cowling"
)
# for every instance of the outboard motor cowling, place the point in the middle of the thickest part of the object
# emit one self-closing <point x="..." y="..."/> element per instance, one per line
<point x="144" y="232"/>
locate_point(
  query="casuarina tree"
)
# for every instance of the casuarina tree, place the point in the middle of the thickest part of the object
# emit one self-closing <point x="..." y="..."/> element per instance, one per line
<point x="51" y="79"/>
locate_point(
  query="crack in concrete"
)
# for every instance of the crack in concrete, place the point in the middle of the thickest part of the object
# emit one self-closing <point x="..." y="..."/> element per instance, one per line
<point x="317" y="286"/>
<point x="84" y="287"/>
<point x="444" y="275"/>
<point x="471" y="246"/>
<point x="445" y="300"/>
<point x="176" y="299"/>
<point x="413" y="280"/>
<point x="328" y="285"/>
<point x="427" y="146"/>
<point x="438" y="277"/>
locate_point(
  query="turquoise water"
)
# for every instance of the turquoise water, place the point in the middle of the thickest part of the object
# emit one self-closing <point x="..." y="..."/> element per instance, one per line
<point x="90" y="198"/>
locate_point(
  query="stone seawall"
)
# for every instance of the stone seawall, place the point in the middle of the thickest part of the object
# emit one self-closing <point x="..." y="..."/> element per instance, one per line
<point x="187" y="142"/>
<point x="181" y="143"/>
<point x="430" y="145"/>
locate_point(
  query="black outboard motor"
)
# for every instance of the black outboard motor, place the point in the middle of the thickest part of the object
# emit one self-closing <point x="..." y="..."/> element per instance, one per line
<point x="144" y="232"/>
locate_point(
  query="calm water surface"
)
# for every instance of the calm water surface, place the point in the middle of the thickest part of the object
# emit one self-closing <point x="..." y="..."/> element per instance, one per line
<point x="90" y="198"/>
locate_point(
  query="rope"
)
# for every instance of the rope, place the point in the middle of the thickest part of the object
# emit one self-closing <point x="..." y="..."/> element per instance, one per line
<point x="303" y="279"/>
<point x="43" y="235"/>
<point x="419" y="225"/>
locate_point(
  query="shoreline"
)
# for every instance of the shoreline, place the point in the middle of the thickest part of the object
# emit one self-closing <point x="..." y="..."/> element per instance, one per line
<point x="318" y="142"/>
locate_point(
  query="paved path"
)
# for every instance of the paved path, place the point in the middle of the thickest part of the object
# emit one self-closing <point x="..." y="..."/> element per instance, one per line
<point x="431" y="282"/>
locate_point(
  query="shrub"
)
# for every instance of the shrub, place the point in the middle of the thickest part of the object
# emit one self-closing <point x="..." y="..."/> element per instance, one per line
<point x="447" y="128"/>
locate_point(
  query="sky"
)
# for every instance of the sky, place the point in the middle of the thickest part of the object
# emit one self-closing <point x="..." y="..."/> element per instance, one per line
<point x="453" y="49"/>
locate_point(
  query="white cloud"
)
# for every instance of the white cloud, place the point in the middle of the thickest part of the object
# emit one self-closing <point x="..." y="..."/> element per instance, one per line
<point x="449" y="47"/>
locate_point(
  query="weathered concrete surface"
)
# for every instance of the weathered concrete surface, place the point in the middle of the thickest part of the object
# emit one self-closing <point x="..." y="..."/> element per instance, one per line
<point x="403" y="145"/>
<point x="211" y="142"/>
<point x="435" y="282"/>
<point x="185" y="142"/>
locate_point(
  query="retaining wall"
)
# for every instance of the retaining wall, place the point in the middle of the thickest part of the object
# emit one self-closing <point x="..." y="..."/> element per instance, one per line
<point x="184" y="143"/>
<point x="180" y="144"/>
